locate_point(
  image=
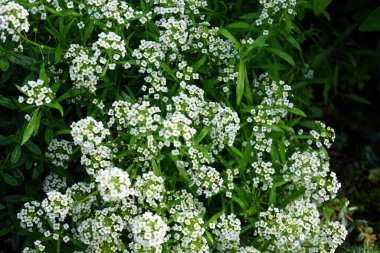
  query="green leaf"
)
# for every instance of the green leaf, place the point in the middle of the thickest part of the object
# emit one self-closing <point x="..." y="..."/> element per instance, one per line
<point x="240" y="26"/>
<point x="357" y="98"/>
<point x="320" y="5"/>
<point x="297" y="111"/>
<point x="203" y="133"/>
<point x="272" y="196"/>
<point x="7" y="103"/>
<point x="57" y="106"/>
<point x="43" y="75"/>
<point x="57" y="54"/>
<point x="241" y="81"/>
<point x="241" y="203"/>
<point x="200" y="63"/>
<point x="6" y="140"/>
<point x="48" y="135"/>
<point x="20" y="59"/>
<point x="372" y="22"/>
<point x="5" y="231"/>
<point x="8" y="179"/>
<point x="4" y="64"/>
<point x="33" y="147"/>
<point x="16" y="153"/>
<point x="156" y="169"/>
<point x="214" y="217"/>
<point x="285" y="56"/>
<point x="69" y="94"/>
<point x="225" y="33"/>
<point x="32" y="126"/>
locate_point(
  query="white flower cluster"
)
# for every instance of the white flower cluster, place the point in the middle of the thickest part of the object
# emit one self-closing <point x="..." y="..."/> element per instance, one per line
<point x="273" y="107"/>
<point x="324" y="135"/>
<point x="297" y="228"/>
<point x="310" y="170"/>
<point x="188" y="229"/>
<point x="90" y="134"/>
<point x="273" y="10"/>
<point x="87" y="65"/>
<point x="149" y="232"/>
<point x="59" y="151"/>
<point x="102" y="233"/>
<point x="13" y="20"/>
<point x="207" y="180"/>
<point x="53" y="182"/>
<point x="113" y="184"/>
<point x="36" y="93"/>
<point x="152" y="169"/>
<point x="113" y="12"/>
<point x="88" y="131"/>
<point x="141" y="122"/>
<point x="227" y="232"/>
<point x="264" y="173"/>
<point x="151" y="189"/>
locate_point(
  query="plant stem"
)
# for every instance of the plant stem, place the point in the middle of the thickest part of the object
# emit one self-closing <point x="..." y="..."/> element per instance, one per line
<point x="36" y="44"/>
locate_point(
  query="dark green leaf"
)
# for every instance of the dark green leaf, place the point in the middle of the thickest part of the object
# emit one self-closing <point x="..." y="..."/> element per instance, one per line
<point x="4" y="64"/>
<point x="372" y="22"/>
<point x="48" y="135"/>
<point x="33" y="147"/>
<point x="8" y="179"/>
<point x="4" y="231"/>
<point x="16" y="153"/>
<point x="320" y="5"/>
<point x="7" y="103"/>
<point x="57" y="106"/>
<point x="20" y="59"/>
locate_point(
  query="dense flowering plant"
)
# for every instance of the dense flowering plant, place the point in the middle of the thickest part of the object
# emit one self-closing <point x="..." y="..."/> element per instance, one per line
<point x="149" y="150"/>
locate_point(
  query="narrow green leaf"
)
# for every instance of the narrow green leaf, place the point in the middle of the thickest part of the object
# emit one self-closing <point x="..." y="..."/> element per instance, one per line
<point x="225" y="33"/>
<point x="240" y="26"/>
<point x="58" y="54"/>
<point x="357" y="98"/>
<point x="156" y="169"/>
<point x="69" y="94"/>
<point x="57" y="106"/>
<point x="48" y="135"/>
<point x="16" y="153"/>
<point x="6" y="140"/>
<point x="20" y="59"/>
<point x="200" y="63"/>
<point x="203" y="133"/>
<point x="43" y="75"/>
<point x="33" y="147"/>
<point x="7" y="103"/>
<point x="4" y="231"/>
<point x="297" y="111"/>
<point x="241" y="203"/>
<point x="30" y="128"/>
<point x="8" y="179"/>
<point x="241" y="81"/>
<point x="272" y="196"/>
<point x="214" y="217"/>
<point x="285" y="56"/>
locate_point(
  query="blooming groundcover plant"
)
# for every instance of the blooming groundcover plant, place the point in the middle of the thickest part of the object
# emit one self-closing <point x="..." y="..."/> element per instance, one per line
<point x="157" y="130"/>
